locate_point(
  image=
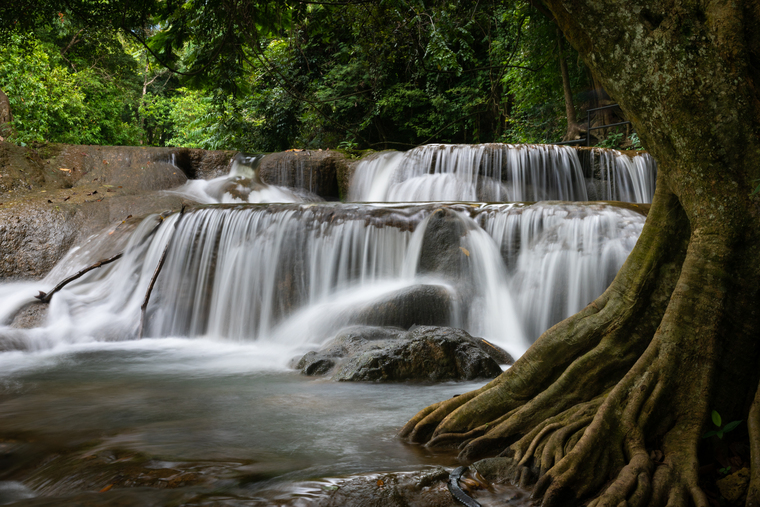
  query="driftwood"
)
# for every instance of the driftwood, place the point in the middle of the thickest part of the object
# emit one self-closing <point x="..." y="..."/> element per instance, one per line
<point x="144" y="306"/>
<point x="45" y="297"/>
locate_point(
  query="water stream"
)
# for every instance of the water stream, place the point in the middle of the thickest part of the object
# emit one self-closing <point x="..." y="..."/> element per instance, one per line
<point x="247" y="287"/>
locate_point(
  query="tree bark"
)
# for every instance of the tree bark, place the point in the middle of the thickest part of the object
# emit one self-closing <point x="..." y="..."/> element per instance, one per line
<point x="5" y="114"/>
<point x="610" y="405"/>
<point x="573" y="128"/>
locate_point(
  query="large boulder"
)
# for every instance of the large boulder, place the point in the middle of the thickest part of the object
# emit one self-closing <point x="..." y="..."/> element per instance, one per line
<point x="418" y="305"/>
<point x="313" y="170"/>
<point x="426" y="353"/>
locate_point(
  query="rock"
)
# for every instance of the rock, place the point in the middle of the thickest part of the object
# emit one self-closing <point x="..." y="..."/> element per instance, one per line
<point x="368" y="353"/>
<point x="37" y="230"/>
<point x="733" y="487"/>
<point x="30" y="316"/>
<point x="22" y="171"/>
<point x="498" y="354"/>
<point x="401" y="489"/>
<point x="314" y="171"/>
<point x="421" y="305"/>
<point x="441" y="254"/>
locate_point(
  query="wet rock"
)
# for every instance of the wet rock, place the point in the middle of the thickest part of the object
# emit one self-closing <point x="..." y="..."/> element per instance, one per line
<point x="441" y="253"/>
<point x="403" y="489"/>
<point x="421" y="305"/>
<point x="314" y="171"/>
<point x="30" y="316"/>
<point x="22" y="170"/>
<point x="37" y="230"/>
<point x="367" y="353"/>
<point x="136" y="168"/>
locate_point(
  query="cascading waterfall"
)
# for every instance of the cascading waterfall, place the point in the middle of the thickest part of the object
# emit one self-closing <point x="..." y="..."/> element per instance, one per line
<point x="247" y="287"/>
<point x="297" y="273"/>
<point x="560" y="256"/>
<point x="503" y="173"/>
<point x="620" y="177"/>
<point x="241" y="185"/>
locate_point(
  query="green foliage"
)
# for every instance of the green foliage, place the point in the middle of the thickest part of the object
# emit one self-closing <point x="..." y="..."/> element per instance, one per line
<point x="635" y="141"/>
<point x="266" y="76"/>
<point x="717" y="421"/>
<point x="51" y="102"/>
<point x="613" y="140"/>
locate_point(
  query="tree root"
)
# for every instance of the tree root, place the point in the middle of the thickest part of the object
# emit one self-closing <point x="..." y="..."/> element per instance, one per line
<point x="753" y="424"/>
<point x="584" y="411"/>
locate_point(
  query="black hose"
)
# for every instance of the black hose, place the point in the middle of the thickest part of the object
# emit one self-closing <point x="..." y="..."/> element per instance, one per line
<point x="457" y="492"/>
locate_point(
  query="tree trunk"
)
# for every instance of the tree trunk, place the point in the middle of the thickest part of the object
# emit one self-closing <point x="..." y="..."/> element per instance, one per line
<point x="611" y="404"/>
<point x="5" y="109"/>
<point x="6" y="117"/>
<point x="573" y="128"/>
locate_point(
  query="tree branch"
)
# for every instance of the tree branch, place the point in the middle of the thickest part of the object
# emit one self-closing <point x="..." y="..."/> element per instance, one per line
<point x="45" y="297"/>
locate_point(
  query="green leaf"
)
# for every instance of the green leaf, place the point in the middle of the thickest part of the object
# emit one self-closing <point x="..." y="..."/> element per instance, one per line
<point x="709" y="434"/>
<point x="730" y="426"/>
<point x="720" y="433"/>
<point x="716" y="418"/>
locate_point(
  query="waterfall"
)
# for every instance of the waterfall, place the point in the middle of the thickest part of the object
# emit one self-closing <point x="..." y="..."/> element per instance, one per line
<point x="560" y="257"/>
<point x="502" y="173"/>
<point x="620" y="177"/>
<point x="241" y="185"/>
<point x="297" y="273"/>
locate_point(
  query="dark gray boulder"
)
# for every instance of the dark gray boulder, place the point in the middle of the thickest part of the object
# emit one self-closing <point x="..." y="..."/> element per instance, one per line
<point x="421" y="305"/>
<point x="425" y="353"/>
<point x="441" y="253"/>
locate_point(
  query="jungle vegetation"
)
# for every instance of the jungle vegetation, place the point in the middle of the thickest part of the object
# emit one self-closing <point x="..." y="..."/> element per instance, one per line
<point x="357" y="74"/>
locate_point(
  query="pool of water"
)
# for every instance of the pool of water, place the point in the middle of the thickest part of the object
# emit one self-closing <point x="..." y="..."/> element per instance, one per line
<point x="202" y="399"/>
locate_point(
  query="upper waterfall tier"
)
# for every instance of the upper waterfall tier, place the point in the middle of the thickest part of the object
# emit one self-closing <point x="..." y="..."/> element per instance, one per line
<point x="504" y="173"/>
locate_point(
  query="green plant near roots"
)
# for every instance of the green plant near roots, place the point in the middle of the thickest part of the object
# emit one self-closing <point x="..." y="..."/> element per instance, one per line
<point x="717" y="421"/>
<point x="635" y="141"/>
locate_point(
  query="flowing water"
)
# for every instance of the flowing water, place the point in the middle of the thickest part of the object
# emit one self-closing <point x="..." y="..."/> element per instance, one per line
<point x="245" y="288"/>
<point x="504" y="173"/>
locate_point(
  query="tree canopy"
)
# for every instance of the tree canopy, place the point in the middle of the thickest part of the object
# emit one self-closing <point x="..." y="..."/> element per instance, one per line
<point x="266" y="76"/>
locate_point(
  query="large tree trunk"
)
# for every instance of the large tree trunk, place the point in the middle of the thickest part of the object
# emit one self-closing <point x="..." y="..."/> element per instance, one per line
<point x="573" y="128"/>
<point x="612" y="403"/>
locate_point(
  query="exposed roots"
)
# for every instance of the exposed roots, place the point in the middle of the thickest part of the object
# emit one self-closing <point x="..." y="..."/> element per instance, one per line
<point x="609" y="406"/>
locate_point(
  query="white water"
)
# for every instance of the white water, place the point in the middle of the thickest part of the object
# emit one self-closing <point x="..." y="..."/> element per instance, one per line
<point x="502" y="173"/>
<point x="624" y="178"/>
<point x="241" y="185"/>
<point x="295" y="274"/>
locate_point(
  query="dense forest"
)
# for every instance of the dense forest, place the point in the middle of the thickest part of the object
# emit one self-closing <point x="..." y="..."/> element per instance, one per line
<point x="355" y="75"/>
